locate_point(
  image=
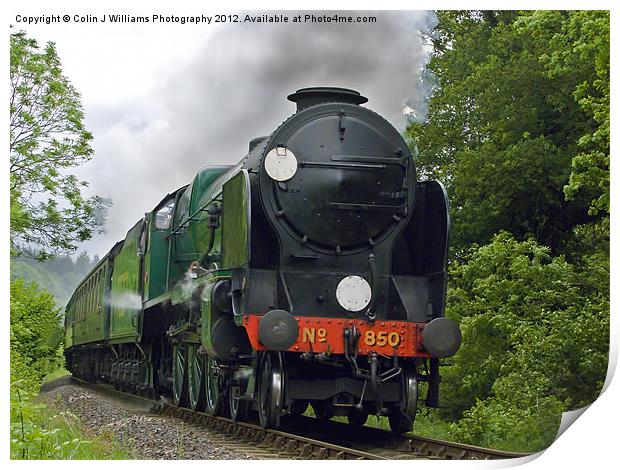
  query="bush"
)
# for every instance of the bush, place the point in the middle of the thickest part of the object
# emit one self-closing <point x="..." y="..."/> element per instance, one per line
<point x="36" y="335"/>
<point x="39" y="432"/>
<point x="535" y="342"/>
<point x="501" y="424"/>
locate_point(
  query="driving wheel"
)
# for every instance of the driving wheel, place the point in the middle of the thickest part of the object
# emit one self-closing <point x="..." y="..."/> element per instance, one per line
<point x="402" y="415"/>
<point x="270" y="390"/>
<point x="239" y="409"/>
<point x="179" y="374"/>
<point x="214" y="387"/>
<point x="195" y="378"/>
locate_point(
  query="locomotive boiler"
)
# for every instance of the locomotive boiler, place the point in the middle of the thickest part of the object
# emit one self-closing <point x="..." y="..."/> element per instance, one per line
<point x="313" y="272"/>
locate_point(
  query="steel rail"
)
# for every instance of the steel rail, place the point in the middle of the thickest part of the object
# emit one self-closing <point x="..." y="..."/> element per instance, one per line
<point x="383" y="442"/>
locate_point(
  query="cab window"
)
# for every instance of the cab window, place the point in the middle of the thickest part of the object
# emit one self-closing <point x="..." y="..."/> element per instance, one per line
<point x="163" y="217"/>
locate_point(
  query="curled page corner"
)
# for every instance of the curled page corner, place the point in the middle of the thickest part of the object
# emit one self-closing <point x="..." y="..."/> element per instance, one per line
<point x="568" y="418"/>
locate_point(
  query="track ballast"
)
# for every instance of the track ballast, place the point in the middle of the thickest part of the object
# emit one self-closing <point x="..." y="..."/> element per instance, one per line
<point x="303" y="437"/>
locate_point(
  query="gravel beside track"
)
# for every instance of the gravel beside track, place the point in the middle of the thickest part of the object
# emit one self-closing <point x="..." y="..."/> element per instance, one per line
<point x="146" y="435"/>
<point x="157" y="430"/>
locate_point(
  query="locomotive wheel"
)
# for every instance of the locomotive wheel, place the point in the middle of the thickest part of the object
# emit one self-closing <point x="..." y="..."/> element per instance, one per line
<point x="196" y="378"/>
<point x="239" y="409"/>
<point x="213" y="387"/>
<point x="357" y="417"/>
<point x="179" y="374"/>
<point x="403" y="415"/>
<point x="270" y="390"/>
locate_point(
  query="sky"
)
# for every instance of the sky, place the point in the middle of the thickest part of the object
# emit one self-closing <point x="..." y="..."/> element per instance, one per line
<point x="163" y="101"/>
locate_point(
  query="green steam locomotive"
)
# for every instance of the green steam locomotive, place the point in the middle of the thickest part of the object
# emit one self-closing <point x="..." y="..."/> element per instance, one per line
<point x="313" y="272"/>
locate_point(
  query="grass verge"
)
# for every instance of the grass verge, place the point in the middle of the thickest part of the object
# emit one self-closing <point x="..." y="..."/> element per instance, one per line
<point x="40" y="431"/>
<point x="62" y="372"/>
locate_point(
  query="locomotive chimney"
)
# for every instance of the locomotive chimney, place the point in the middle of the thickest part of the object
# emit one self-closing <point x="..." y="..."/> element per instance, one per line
<point x="306" y="97"/>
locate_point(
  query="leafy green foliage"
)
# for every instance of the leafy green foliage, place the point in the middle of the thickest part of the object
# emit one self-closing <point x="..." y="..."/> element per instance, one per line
<point x="39" y="432"/>
<point x="581" y="48"/>
<point x="519" y="122"/>
<point x="36" y="335"/>
<point x="535" y="342"/>
<point x="496" y="425"/>
<point x="49" y="215"/>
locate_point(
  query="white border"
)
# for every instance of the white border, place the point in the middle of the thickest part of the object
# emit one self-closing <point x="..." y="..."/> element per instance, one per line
<point x="590" y="442"/>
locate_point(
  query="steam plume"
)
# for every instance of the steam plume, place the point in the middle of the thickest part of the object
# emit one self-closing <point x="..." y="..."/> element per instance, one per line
<point x="236" y="89"/>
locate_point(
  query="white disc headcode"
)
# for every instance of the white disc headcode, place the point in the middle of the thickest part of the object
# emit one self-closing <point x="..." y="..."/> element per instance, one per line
<point x="281" y="164"/>
<point x="353" y="293"/>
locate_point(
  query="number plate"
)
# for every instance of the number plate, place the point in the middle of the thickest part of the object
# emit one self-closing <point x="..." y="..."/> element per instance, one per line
<point x="382" y="338"/>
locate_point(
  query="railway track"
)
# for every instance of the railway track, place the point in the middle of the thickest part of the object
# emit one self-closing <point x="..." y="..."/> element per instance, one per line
<point x="383" y="443"/>
<point x="302" y="437"/>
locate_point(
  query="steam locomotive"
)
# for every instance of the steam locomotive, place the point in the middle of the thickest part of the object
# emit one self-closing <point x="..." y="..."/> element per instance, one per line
<point x="313" y="272"/>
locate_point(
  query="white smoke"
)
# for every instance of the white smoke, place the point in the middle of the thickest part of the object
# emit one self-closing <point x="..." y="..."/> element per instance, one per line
<point x="206" y="112"/>
<point x="126" y="300"/>
<point x="187" y="286"/>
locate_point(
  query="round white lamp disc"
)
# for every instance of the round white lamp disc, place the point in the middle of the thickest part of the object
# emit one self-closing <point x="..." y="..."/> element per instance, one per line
<point x="353" y="293"/>
<point x="281" y="164"/>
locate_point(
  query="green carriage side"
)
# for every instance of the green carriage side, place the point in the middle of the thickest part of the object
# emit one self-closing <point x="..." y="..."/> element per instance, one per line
<point x="86" y="313"/>
<point x="126" y="288"/>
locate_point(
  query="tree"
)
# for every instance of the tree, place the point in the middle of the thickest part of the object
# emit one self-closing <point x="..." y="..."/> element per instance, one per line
<point x="83" y="264"/>
<point x="518" y="125"/>
<point x="582" y="44"/>
<point x="36" y="335"/>
<point x="535" y="342"/>
<point x="49" y="214"/>
<point x="59" y="276"/>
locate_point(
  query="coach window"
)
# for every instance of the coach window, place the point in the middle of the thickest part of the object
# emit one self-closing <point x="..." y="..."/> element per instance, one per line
<point x="89" y="295"/>
<point x="80" y="304"/>
<point x="92" y="295"/>
<point x="163" y="218"/>
<point x="98" y="298"/>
